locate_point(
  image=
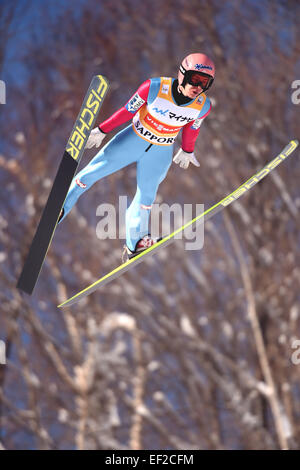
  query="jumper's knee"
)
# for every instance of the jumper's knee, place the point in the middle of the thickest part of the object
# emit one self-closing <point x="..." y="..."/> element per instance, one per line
<point x="147" y="198"/>
<point x="146" y="207"/>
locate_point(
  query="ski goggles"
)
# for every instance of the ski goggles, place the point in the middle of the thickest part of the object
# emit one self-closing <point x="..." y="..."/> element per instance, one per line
<point x="196" y="78"/>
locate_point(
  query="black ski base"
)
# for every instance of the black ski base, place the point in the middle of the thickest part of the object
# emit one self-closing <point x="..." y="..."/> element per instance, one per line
<point x="47" y="225"/>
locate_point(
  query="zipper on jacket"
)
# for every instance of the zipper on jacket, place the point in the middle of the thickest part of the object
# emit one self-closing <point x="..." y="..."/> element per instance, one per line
<point x="149" y="146"/>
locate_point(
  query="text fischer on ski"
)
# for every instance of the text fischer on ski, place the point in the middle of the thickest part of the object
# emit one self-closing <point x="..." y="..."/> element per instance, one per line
<point x="159" y="109"/>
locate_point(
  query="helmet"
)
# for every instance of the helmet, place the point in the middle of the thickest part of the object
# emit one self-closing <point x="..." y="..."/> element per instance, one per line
<point x="197" y="69"/>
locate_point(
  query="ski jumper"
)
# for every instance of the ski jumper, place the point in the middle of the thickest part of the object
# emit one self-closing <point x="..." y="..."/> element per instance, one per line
<point x="148" y="141"/>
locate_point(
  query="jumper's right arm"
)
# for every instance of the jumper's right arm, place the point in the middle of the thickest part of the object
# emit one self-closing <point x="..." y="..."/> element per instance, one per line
<point x="124" y="114"/>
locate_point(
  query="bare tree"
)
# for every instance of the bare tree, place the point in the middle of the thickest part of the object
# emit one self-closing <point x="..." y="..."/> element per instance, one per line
<point x="189" y="350"/>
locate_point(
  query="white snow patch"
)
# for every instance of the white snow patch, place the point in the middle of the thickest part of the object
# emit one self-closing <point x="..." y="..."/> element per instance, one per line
<point x="187" y="326"/>
<point x="20" y="138"/>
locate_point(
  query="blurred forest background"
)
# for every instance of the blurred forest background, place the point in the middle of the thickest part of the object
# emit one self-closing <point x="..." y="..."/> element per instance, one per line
<point x="191" y="349"/>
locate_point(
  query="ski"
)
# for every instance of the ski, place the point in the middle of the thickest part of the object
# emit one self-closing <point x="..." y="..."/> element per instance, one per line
<point x="170" y="238"/>
<point x="75" y="147"/>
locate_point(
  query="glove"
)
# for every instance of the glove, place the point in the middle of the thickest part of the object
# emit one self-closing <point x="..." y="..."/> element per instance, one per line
<point x="95" y="138"/>
<point x="183" y="159"/>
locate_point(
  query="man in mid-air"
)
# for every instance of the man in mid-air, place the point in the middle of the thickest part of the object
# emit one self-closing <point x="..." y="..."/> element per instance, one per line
<point x="159" y="109"/>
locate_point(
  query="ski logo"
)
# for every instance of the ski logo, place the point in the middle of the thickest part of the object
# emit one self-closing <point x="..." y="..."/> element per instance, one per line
<point x="86" y="118"/>
<point x="63" y="179"/>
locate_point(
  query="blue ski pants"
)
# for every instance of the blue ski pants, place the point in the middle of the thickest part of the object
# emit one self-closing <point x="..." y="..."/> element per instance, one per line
<point x="153" y="162"/>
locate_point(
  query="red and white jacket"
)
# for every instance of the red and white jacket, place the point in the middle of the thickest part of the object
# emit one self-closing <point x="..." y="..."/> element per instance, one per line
<point x="157" y="118"/>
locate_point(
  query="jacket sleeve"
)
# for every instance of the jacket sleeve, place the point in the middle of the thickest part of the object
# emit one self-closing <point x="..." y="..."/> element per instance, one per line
<point x="191" y="131"/>
<point x="126" y="113"/>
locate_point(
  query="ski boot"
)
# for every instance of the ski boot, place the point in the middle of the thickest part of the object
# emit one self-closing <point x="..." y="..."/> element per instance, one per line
<point x="142" y="245"/>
